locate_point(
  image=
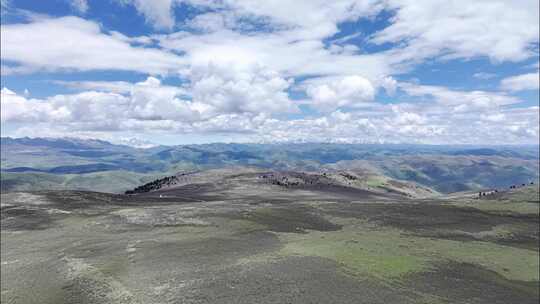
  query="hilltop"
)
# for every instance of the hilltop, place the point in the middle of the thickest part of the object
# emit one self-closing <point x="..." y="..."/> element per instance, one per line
<point x="44" y="163"/>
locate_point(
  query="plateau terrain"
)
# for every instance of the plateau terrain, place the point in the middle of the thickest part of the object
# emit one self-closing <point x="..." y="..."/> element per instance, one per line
<point x="245" y="234"/>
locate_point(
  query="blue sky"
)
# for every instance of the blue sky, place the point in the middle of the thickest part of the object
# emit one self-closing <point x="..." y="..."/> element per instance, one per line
<point x="196" y="71"/>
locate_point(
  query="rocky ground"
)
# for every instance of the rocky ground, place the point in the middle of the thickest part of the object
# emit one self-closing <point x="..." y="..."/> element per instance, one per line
<point x="238" y="238"/>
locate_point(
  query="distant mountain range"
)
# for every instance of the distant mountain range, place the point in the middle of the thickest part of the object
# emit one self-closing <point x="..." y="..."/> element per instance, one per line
<point x="68" y="163"/>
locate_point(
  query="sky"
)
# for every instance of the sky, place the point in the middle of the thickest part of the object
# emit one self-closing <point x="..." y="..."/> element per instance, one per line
<point x="200" y="71"/>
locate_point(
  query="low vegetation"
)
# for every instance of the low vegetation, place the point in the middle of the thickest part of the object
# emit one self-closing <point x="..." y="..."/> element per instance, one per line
<point x="444" y="169"/>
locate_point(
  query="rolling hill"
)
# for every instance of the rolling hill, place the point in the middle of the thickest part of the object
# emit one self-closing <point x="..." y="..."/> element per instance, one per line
<point x="47" y="163"/>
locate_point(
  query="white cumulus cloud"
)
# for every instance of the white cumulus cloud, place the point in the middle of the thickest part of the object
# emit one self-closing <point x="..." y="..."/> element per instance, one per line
<point x="72" y="43"/>
<point x="530" y="81"/>
<point x="501" y="30"/>
<point x="348" y="91"/>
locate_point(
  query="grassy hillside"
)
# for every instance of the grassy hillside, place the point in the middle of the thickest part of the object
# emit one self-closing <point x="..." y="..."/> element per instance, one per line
<point x="110" y="181"/>
<point x="448" y="173"/>
<point x="522" y="200"/>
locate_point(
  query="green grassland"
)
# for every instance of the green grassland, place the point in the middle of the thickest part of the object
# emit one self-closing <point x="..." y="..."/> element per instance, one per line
<point x="367" y="250"/>
<point x="107" y="181"/>
<point x="523" y="200"/>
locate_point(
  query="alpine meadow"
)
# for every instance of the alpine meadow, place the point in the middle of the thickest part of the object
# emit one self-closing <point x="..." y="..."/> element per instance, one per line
<point x="269" y="152"/>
